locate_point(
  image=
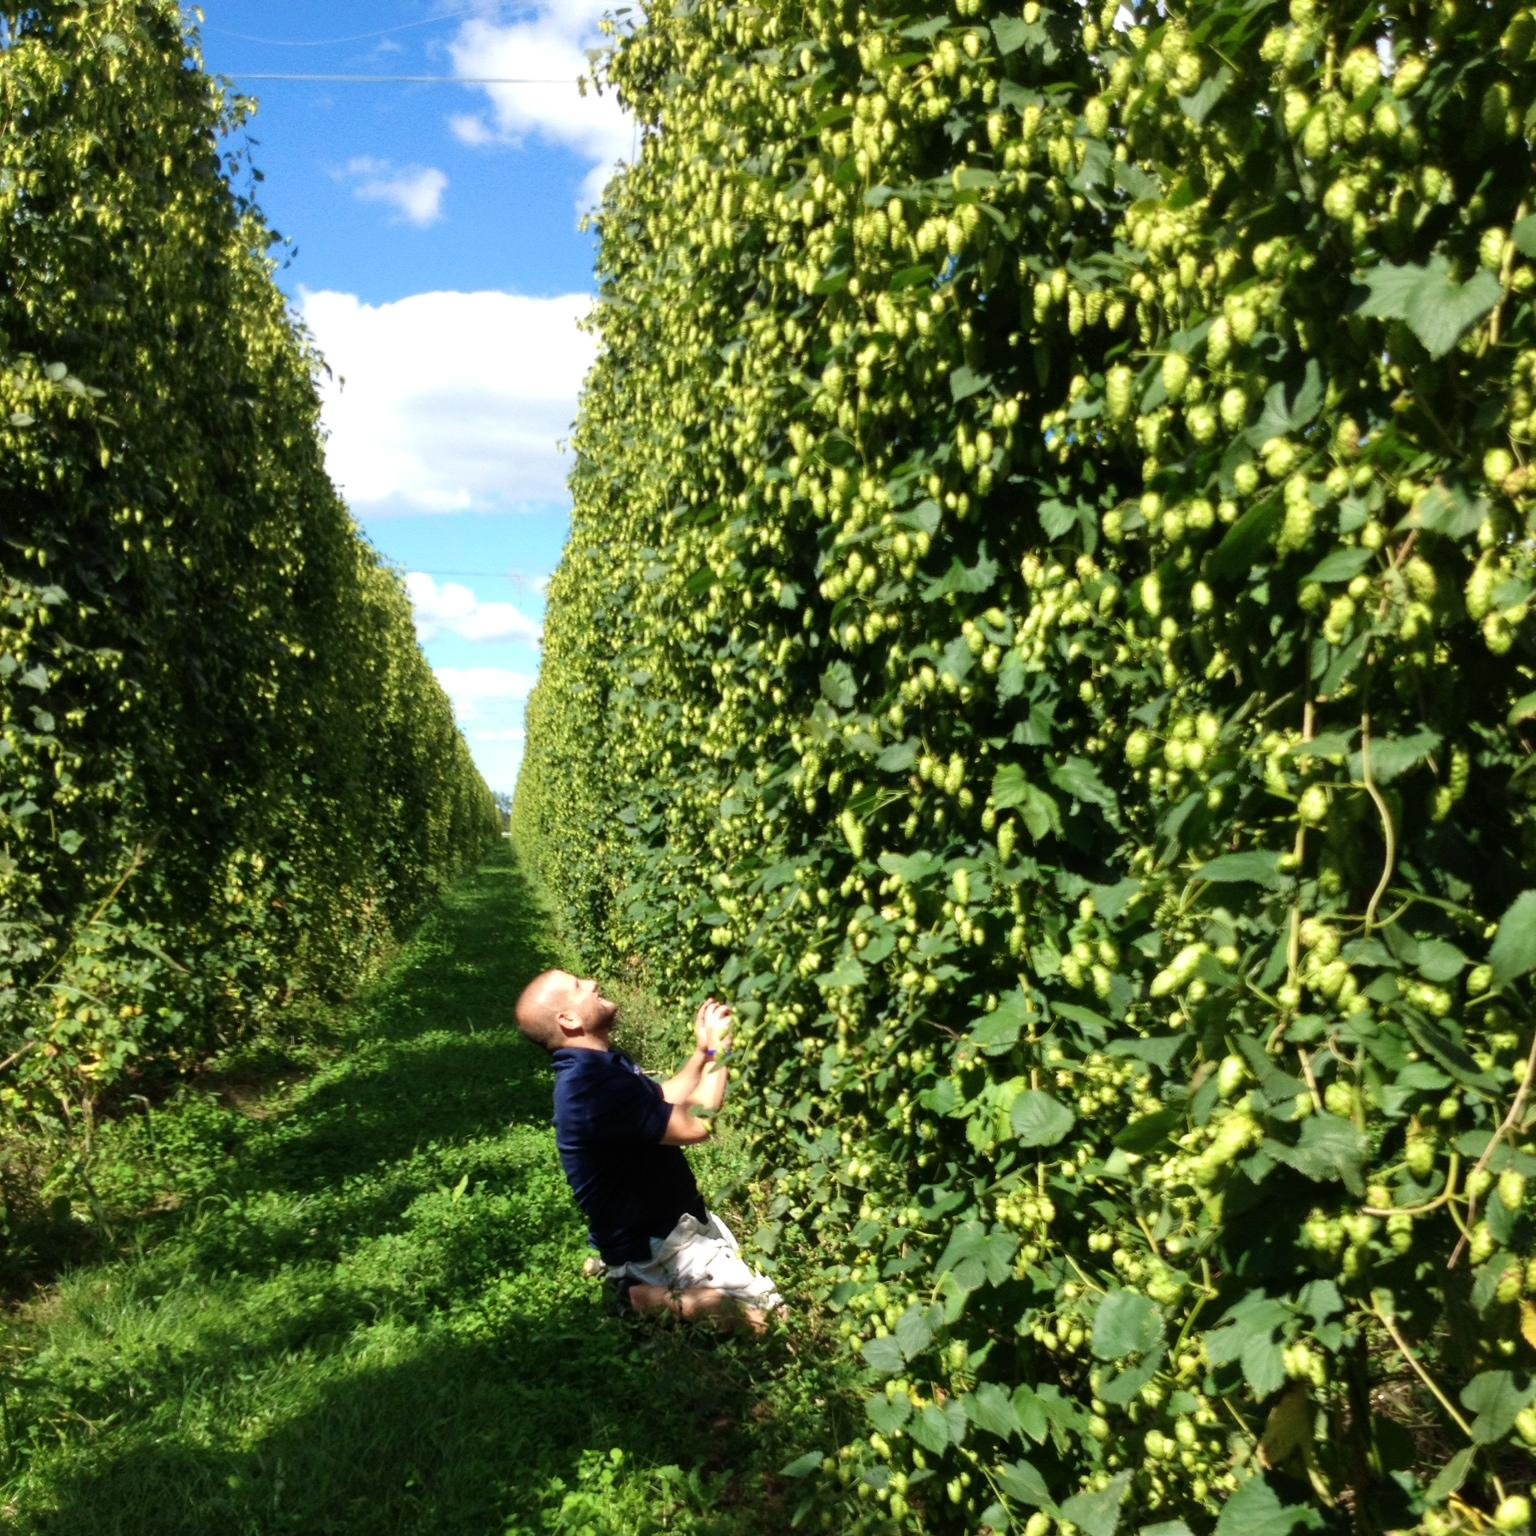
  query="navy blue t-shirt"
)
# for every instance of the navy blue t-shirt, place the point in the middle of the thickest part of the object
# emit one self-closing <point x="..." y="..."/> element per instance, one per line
<point x="609" y="1121"/>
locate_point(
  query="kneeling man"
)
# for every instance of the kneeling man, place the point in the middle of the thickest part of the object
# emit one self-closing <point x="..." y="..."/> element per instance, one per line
<point x="620" y="1136"/>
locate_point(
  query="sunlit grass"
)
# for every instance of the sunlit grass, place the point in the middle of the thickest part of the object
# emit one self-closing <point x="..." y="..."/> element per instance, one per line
<point x="356" y="1305"/>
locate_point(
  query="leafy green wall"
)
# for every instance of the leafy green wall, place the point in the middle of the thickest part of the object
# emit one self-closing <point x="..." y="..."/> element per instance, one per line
<point x="1048" y="627"/>
<point x="227" y="775"/>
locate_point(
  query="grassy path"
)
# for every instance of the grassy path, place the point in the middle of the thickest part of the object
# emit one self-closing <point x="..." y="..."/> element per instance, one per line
<point x="357" y="1307"/>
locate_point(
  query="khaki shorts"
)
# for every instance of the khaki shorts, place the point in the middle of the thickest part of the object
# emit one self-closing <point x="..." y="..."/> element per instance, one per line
<point x="698" y="1253"/>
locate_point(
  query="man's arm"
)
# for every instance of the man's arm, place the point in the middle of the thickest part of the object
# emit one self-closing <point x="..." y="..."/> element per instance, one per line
<point x="684" y="1083"/>
<point x="712" y="1034"/>
<point x="701" y="1083"/>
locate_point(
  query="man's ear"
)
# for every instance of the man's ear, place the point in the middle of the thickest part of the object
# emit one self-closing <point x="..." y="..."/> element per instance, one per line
<point x="568" y="1023"/>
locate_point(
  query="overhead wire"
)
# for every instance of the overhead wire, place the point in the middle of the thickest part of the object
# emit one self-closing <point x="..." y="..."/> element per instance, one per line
<point x="516" y="578"/>
<point x="523" y="579"/>
<point x="236" y="74"/>
<point x="363" y="37"/>
<point x="360" y="37"/>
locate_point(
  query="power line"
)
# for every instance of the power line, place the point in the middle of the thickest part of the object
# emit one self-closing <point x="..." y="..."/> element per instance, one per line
<point x="517" y="578"/>
<point x="396" y="79"/>
<point x="336" y="42"/>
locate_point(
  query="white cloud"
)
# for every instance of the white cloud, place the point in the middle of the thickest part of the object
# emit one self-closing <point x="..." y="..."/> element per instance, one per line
<point x="551" y="43"/>
<point x="471" y="130"/>
<point x="449" y="402"/>
<point x="483" y="693"/>
<point x="452" y="608"/>
<point x="499" y="762"/>
<point x="415" y="192"/>
<point x="488" y="703"/>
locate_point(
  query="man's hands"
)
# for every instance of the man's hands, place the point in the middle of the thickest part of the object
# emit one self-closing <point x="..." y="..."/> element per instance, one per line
<point x="712" y="1026"/>
<point x="698" y="1090"/>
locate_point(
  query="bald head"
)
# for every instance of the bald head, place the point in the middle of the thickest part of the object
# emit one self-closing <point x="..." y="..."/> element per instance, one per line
<point x="539" y="1007"/>
<point x="558" y="1009"/>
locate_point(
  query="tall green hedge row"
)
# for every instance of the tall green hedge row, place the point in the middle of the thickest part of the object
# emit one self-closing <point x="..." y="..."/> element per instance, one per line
<point x="227" y="775"/>
<point x="1047" y="626"/>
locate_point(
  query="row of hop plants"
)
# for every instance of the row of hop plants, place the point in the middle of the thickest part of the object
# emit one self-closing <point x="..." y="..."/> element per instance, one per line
<point x="228" y="778"/>
<point x="1047" y="627"/>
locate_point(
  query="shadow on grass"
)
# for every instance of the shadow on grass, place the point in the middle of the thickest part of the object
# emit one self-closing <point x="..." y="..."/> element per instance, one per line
<point x="433" y="1076"/>
<point x="369" y="1316"/>
<point x="431" y="1059"/>
<point x="433" y="1436"/>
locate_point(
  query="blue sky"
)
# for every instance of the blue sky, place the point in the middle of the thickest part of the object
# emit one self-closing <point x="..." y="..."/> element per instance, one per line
<point x="436" y="256"/>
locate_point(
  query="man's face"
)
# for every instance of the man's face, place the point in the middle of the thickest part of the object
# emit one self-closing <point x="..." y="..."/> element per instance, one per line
<point x="586" y="1003"/>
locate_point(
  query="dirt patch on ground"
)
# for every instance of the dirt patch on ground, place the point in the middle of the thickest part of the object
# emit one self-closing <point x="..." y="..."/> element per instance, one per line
<point x="255" y="1094"/>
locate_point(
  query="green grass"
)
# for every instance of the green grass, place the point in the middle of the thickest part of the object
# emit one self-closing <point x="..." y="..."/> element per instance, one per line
<point x="355" y="1304"/>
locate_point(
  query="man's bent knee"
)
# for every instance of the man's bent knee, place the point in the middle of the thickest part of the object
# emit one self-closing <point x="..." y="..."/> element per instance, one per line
<point x="700" y="1302"/>
<point x="649" y="1298"/>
